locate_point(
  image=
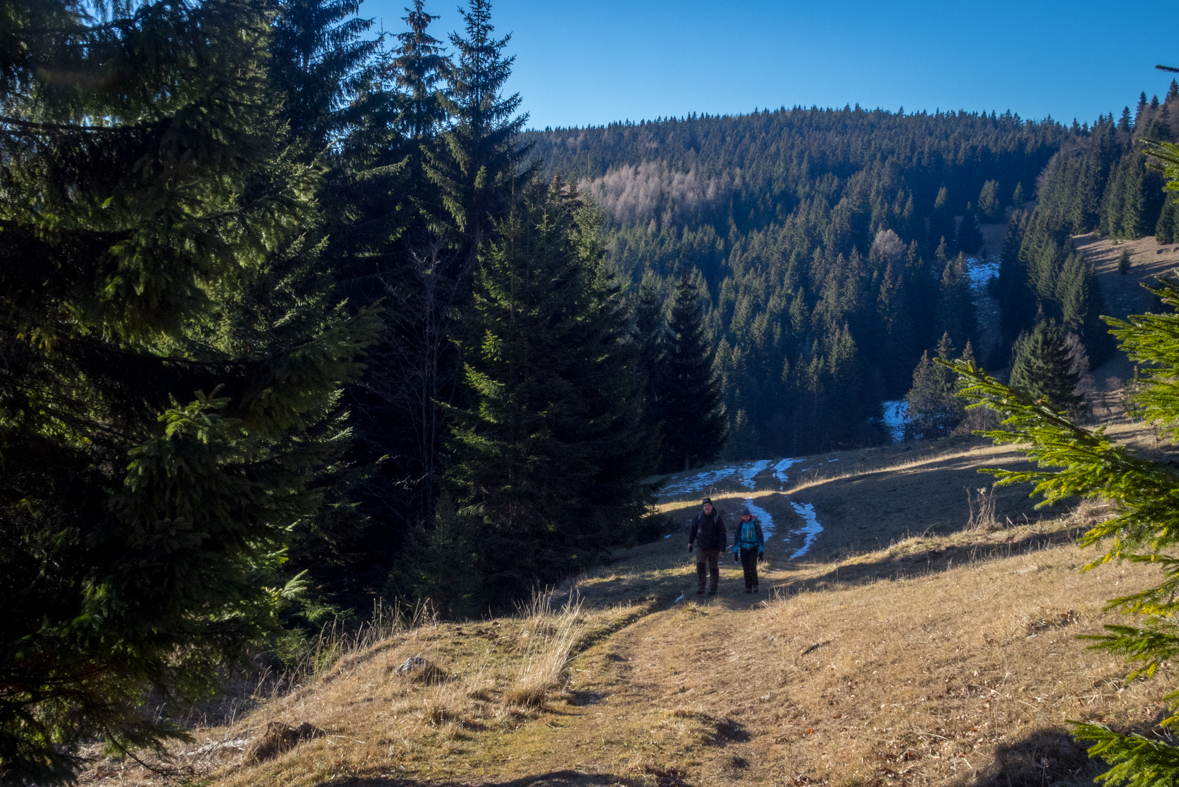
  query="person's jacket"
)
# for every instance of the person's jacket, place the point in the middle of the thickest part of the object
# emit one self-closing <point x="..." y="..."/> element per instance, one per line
<point x="708" y="531"/>
<point x="748" y="536"/>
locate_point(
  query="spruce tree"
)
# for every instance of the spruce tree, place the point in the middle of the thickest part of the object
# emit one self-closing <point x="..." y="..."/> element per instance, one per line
<point x="933" y="407"/>
<point x="476" y="167"/>
<point x="1042" y="368"/>
<point x="688" y="389"/>
<point x="942" y="229"/>
<point x="955" y="313"/>
<point x="547" y="461"/>
<point x="1018" y="199"/>
<point x="1164" y="228"/>
<point x="969" y="234"/>
<point x="989" y="207"/>
<point x="319" y="64"/>
<point x="170" y="368"/>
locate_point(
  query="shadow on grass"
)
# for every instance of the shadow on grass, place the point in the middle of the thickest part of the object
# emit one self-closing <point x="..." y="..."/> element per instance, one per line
<point x="1043" y="757"/>
<point x="921" y="562"/>
<point x="565" y="778"/>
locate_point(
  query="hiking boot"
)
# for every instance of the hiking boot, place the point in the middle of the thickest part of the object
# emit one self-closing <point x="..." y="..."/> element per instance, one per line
<point x="712" y="592"/>
<point x="747" y="590"/>
<point x="755" y="588"/>
<point x="700" y="592"/>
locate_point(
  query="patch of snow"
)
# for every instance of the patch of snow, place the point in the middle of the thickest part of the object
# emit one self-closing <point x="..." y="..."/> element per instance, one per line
<point x="750" y="471"/>
<point x="781" y="468"/>
<point x="829" y="461"/>
<point x="700" y="481"/>
<point x="767" y="521"/>
<point x="981" y="271"/>
<point x="811" y="529"/>
<point x="896" y="415"/>
<point x="678" y="600"/>
<point x="668" y="535"/>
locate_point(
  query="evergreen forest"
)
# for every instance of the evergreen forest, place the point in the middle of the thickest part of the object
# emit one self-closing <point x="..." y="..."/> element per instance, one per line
<point x="832" y="244"/>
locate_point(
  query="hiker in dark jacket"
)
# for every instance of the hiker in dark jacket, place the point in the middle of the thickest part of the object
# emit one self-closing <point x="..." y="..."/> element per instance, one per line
<point x="749" y="547"/>
<point x="710" y="539"/>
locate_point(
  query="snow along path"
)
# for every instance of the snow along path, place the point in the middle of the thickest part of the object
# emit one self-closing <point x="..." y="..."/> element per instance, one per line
<point x="767" y="521"/>
<point x="752" y="470"/>
<point x="811" y="529"/>
<point x="781" y="468"/>
<point x="700" y="481"/>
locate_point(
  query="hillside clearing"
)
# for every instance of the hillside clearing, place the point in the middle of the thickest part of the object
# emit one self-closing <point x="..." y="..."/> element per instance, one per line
<point x="905" y="648"/>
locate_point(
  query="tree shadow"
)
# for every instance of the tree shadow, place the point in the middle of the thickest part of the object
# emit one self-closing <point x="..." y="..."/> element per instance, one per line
<point x="564" y="778"/>
<point x="1041" y="758"/>
<point x="936" y="559"/>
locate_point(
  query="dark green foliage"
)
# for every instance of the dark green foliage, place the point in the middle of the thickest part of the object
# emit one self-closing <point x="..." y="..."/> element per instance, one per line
<point x="319" y="65"/>
<point x="1048" y="276"/>
<point x="969" y="234"/>
<point x="1018" y="199"/>
<point x="476" y="165"/>
<point x="1124" y="262"/>
<point x="546" y="463"/>
<point x="1165" y="229"/>
<point x="943" y="231"/>
<point x="933" y="406"/>
<point x="1077" y="462"/>
<point x="955" y="315"/>
<point x="1042" y="368"/>
<point x="149" y="251"/>
<point x="990" y="209"/>
<point x="688" y="400"/>
<point x="785" y="214"/>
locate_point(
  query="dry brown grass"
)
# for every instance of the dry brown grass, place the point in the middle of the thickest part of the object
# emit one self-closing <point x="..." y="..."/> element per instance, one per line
<point x="948" y="655"/>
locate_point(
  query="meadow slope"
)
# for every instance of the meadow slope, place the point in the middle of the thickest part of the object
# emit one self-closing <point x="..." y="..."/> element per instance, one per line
<point x="898" y="645"/>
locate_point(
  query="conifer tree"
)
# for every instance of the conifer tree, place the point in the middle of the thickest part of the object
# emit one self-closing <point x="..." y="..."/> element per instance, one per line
<point x="648" y="336"/>
<point x="319" y="64"/>
<point x="688" y="390"/>
<point x="969" y="234"/>
<point x="955" y="314"/>
<point x="989" y="207"/>
<point x="1018" y="199"/>
<point x="477" y="165"/>
<point x="1165" y="227"/>
<point x="933" y="407"/>
<point x="151" y="225"/>
<point x="942" y="229"/>
<point x="547" y="461"/>
<point x="1043" y="368"/>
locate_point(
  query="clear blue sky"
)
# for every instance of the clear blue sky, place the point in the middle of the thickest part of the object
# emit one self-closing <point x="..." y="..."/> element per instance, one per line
<point x="590" y="63"/>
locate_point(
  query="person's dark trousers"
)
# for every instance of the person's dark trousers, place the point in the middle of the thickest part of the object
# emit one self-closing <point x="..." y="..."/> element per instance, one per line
<point x="749" y="564"/>
<point x="711" y="557"/>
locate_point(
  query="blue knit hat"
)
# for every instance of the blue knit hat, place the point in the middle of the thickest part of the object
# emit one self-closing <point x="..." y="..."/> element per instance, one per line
<point x="745" y="511"/>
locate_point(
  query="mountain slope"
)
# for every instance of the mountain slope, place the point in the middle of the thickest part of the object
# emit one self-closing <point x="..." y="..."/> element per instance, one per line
<point x="946" y="657"/>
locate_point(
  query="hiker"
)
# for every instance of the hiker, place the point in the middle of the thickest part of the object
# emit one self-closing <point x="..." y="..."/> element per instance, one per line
<point x="710" y="539"/>
<point x="749" y="547"/>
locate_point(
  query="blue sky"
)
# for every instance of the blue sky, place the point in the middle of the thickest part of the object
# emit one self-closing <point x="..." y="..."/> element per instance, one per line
<point x="590" y="63"/>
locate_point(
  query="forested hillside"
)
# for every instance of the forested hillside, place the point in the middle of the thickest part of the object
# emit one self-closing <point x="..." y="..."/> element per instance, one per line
<point x="828" y="241"/>
<point x="1099" y="182"/>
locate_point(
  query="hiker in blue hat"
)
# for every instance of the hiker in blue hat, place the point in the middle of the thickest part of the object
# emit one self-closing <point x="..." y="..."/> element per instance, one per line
<point x="749" y="547"/>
